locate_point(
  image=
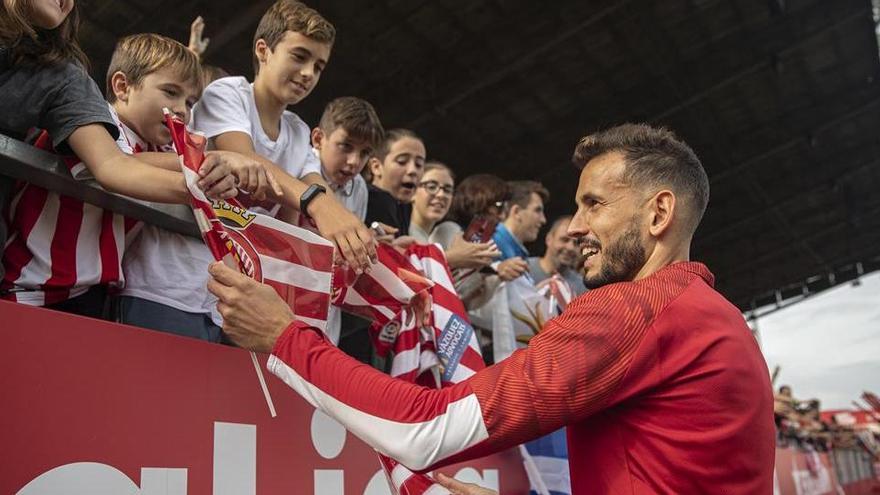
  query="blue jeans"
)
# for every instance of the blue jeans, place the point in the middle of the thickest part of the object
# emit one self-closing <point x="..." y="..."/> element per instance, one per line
<point x="148" y="314"/>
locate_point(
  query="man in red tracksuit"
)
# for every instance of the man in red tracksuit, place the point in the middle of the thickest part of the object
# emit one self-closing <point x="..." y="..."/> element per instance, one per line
<point x="657" y="377"/>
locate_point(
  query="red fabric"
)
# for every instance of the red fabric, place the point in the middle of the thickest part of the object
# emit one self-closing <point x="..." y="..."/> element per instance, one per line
<point x="255" y="238"/>
<point x="44" y="229"/>
<point x="660" y="382"/>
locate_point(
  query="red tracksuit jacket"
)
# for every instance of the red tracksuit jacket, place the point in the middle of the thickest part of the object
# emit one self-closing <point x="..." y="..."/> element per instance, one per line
<point x="660" y="382"/>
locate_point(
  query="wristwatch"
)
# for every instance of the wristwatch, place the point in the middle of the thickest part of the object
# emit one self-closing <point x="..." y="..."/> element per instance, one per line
<point x="311" y="193"/>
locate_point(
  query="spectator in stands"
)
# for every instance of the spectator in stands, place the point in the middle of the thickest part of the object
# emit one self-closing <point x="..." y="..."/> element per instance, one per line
<point x="346" y="137"/>
<point x="395" y="173"/>
<point x="44" y="84"/>
<point x="560" y="256"/>
<point x="431" y="203"/>
<point x="343" y="141"/>
<point x="291" y="48"/>
<point x="164" y="271"/>
<point x="477" y="196"/>
<point x="522" y="222"/>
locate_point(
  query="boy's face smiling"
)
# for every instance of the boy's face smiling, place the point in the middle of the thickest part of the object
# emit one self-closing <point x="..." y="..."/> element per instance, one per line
<point x="292" y="70"/>
<point x="140" y="107"/>
<point x="342" y="156"/>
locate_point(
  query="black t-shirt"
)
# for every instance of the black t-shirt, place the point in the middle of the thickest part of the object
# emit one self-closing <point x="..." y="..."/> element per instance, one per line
<point x="57" y="98"/>
<point x="385" y="208"/>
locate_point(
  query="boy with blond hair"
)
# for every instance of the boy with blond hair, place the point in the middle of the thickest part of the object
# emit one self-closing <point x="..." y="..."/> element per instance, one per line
<point x="165" y="272"/>
<point x="345" y="138"/>
<point x="65" y="254"/>
<point x="291" y="48"/>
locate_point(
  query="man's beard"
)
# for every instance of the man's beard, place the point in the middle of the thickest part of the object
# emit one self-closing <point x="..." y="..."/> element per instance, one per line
<point x="621" y="260"/>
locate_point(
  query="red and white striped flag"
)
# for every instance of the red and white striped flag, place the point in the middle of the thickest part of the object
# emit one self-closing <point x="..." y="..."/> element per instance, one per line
<point x="297" y="263"/>
<point x="392" y="286"/>
<point x="444" y="350"/>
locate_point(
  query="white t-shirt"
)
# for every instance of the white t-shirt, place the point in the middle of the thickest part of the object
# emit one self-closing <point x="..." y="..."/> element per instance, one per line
<point x="172" y="269"/>
<point x="353" y="195"/>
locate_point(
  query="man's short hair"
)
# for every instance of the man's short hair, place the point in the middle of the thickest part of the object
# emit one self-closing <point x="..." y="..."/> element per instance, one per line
<point x="564" y="219"/>
<point x="357" y="117"/>
<point x="290" y="15"/>
<point x="654" y="157"/>
<point x="521" y="192"/>
<point x="140" y="55"/>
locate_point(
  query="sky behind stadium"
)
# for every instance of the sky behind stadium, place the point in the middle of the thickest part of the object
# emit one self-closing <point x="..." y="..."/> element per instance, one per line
<point x="828" y="346"/>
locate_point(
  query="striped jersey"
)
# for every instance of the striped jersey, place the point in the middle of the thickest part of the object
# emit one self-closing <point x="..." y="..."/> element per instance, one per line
<point x="58" y="246"/>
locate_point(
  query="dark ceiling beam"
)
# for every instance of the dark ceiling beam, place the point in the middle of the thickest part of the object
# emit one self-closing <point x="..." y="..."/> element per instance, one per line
<point x="522" y="61"/>
<point x="571" y="119"/>
<point x="834" y="121"/>
<point x="742" y="296"/>
<point x="756" y="67"/>
<point x="708" y="241"/>
<point x="871" y="211"/>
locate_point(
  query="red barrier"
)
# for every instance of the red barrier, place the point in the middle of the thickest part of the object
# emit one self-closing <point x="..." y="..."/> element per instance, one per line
<point x="800" y="473"/>
<point x="96" y="408"/>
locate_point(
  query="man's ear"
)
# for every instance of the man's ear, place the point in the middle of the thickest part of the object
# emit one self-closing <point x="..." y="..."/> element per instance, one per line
<point x="317" y="137"/>
<point x="261" y="50"/>
<point x="662" y="211"/>
<point x="119" y="86"/>
<point x="375" y="166"/>
<point x="513" y="211"/>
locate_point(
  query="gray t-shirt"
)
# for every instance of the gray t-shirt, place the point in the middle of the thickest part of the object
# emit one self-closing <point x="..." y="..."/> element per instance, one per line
<point x="575" y="281"/>
<point x="56" y="98"/>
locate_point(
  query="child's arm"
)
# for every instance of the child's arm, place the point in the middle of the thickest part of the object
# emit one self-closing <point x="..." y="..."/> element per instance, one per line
<point x="250" y="174"/>
<point x="353" y="239"/>
<point x="125" y="174"/>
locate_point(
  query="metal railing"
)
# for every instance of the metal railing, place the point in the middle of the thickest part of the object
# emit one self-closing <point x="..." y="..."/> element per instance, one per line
<point x="24" y="162"/>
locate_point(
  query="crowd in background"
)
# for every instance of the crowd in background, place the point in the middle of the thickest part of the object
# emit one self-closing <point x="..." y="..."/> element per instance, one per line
<point x="346" y="176"/>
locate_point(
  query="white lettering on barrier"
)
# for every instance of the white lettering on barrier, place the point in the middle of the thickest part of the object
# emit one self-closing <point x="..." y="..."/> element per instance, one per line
<point x="328" y="436"/>
<point x="235" y="459"/>
<point x="329" y="482"/>
<point x="235" y="469"/>
<point x="92" y="478"/>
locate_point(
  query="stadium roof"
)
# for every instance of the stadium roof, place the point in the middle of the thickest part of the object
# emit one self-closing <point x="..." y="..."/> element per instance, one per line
<point x="780" y="98"/>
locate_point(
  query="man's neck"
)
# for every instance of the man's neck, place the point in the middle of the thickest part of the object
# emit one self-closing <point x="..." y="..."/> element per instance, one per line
<point x="513" y="232"/>
<point x="269" y="109"/>
<point x="548" y="265"/>
<point x="662" y="257"/>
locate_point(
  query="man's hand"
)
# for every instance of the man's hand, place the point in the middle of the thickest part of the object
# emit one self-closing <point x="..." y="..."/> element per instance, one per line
<point x="512" y="268"/>
<point x="338" y="225"/>
<point x="251" y="176"/>
<point x="463" y="254"/>
<point x="254" y="315"/>
<point x="216" y="178"/>
<point x="197" y="44"/>
<point x="459" y="488"/>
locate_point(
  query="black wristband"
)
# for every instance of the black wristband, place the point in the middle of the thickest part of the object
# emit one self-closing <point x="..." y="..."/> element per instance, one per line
<point x="311" y="193"/>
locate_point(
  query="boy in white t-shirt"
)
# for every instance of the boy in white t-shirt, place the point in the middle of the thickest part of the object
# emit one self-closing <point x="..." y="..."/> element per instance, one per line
<point x="292" y="45"/>
<point x="148" y="73"/>
<point x="345" y="138"/>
